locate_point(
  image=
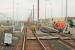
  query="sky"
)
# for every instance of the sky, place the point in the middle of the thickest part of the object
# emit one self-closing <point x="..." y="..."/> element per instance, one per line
<point x="22" y="9"/>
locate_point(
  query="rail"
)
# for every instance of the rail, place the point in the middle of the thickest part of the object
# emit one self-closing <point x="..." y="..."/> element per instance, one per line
<point x="44" y="48"/>
<point x="39" y="42"/>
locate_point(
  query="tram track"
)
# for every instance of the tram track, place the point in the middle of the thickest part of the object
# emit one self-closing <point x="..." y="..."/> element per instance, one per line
<point x="35" y="44"/>
<point x="65" y="39"/>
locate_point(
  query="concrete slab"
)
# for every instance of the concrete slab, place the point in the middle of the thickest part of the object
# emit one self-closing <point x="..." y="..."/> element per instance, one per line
<point x="44" y="37"/>
<point x="39" y="33"/>
<point x="31" y="37"/>
<point x="65" y="38"/>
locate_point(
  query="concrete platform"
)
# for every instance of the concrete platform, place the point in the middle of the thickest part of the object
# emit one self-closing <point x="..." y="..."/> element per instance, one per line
<point x="43" y="38"/>
<point x="50" y="37"/>
<point x="39" y="33"/>
<point x="65" y="38"/>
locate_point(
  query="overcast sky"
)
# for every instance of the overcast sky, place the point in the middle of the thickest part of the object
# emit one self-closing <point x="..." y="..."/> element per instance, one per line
<point x="23" y="8"/>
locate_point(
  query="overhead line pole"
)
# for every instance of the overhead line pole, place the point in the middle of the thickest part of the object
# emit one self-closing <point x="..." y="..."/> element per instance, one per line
<point x="38" y="11"/>
<point x="33" y="13"/>
<point x="45" y="10"/>
<point x="66" y="11"/>
<point x="13" y="11"/>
